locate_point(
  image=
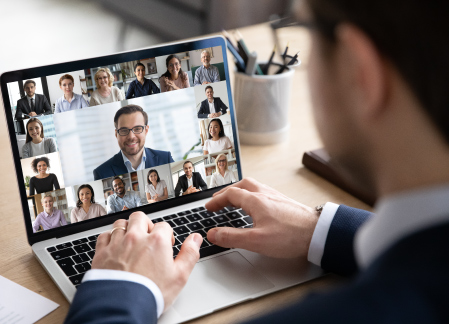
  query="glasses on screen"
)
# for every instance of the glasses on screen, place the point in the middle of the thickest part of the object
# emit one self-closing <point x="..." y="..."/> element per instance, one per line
<point x="125" y="131"/>
<point x="221" y="161"/>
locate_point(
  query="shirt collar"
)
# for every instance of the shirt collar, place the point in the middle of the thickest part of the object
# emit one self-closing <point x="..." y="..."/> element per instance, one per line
<point x="128" y="162"/>
<point x="48" y="215"/>
<point x="73" y="98"/>
<point x="33" y="97"/>
<point x="398" y="216"/>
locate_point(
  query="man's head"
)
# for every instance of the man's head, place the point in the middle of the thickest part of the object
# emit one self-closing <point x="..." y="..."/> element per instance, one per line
<point x="188" y="168"/>
<point x="205" y="58"/>
<point x="118" y="185"/>
<point x="30" y="87"/>
<point x="369" y="82"/>
<point x="131" y="129"/>
<point x="209" y="92"/>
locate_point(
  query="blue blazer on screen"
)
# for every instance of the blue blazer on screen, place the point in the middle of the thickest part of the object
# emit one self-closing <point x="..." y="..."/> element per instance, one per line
<point x="218" y="105"/>
<point x="116" y="166"/>
<point x="406" y="284"/>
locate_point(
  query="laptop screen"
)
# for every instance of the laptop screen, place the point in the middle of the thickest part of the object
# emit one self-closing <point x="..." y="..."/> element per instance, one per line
<point x="130" y="131"/>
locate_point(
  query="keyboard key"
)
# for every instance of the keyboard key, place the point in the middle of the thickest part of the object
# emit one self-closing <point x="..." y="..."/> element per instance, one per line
<point x="208" y="228"/>
<point x="181" y="221"/>
<point x="238" y="223"/>
<point x="248" y="219"/>
<point x="195" y="226"/>
<point x="92" y="245"/>
<point x="241" y="211"/>
<point x="208" y="222"/>
<point x="171" y="224"/>
<point x="201" y="232"/>
<point x="181" y="230"/>
<point x="157" y="220"/>
<point x="182" y="237"/>
<point x="175" y="251"/>
<point x="83" y="257"/>
<point x="82" y="248"/>
<point x="207" y="214"/>
<point x="220" y="219"/>
<point x="93" y="238"/>
<point x="67" y="266"/>
<point x="210" y="250"/>
<point x="195" y="210"/>
<point x="76" y="280"/>
<point x="231" y="208"/>
<point x="227" y="224"/>
<point x="221" y="211"/>
<point x="61" y="254"/>
<point x="64" y="246"/>
<point x="91" y="254"/>
<point x="194" y="217"/>
<point x="205" y="243"/>
<point x="51" y="249"/>
<point x="177" y="242"/>
<point x="80" y="241"/>
<point x="234" y="215"/>
<point x="82" y="267"/>
<point x="248" y="226"/>
<point x="184" y="213"/>
<point x="169" y="217"/>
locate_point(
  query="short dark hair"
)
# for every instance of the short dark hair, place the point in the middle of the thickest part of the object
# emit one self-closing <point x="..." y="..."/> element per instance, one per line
<point x="92" y="200"/>
<point x="118" y="177"/>
<point x="129" y="109"/>
<point x="411" y="33"/>
<point x="138" y="64"/>
<point x="167" y="73"/>
<point x="29" y="81"/>
<point x="148" y="176"/>
<point x="208" y="87"/>
<point x="34" y="120"/>
<point x="66" y="76"/>
<point x="221" y="133"/>
<point x="37" y="160"/>
<point x="188" y="162"/>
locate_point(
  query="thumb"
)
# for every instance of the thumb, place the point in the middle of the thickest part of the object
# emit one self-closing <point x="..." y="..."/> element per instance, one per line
<point x="189" y="254"/>
<point x="230" y="237"/>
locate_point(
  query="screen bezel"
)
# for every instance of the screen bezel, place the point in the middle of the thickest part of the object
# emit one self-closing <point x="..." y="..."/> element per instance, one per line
<point x="30" y="73"/>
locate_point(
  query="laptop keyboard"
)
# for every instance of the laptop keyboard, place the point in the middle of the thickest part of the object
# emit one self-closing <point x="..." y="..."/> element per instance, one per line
<point x="75" y="257"/>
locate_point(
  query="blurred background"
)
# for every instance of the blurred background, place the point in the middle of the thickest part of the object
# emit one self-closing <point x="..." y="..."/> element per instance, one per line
<point x="39" y="32"/>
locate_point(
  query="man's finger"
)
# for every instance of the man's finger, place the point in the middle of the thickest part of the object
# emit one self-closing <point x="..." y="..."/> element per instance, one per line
<point x="234" y="196"/>
<point x="228" y="237"/>
<point x="103" y="240"/>
<point x="118" y="230"/>
<point x="189" y="254"/>
<point x="247" y="183"/>
<point x="164" y="229"/>
<point x="139" y="222"/>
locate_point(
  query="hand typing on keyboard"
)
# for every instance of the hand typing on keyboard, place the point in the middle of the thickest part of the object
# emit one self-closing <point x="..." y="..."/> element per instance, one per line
<point x="146" y="249"/>
<point x="282" y="227"/>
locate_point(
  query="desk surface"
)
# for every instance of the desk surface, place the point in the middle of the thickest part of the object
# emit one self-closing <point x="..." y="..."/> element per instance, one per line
<point x="18" y="264"/>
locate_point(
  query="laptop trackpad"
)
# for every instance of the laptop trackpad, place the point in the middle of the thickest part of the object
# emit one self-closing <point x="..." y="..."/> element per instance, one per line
<point x="218" y="282"/>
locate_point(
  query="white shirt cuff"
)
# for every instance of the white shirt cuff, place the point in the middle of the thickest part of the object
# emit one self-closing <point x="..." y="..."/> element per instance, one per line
<point x="106" y="274"/>
<point x="316" y="248"/>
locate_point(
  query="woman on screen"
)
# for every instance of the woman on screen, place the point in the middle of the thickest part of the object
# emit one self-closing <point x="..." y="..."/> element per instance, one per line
<point x="217" y="141"/>
<point x="156" y="189"/>
<point x="50" y="217"/>
<point x="174" y="78"/>
<point x="141" y="86"/>
<point x="222" y="175"/>
<point x="35" y="142"/>
<point x="86" y="207"/>
<point x="70" y="100"/>
<point x="44" y="181"/>
<point x="106" y="92"/>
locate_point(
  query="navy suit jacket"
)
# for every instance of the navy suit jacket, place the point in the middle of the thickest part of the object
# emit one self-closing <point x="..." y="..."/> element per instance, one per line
<point x="197" y="180"/>
<point x="204" y="108"/>
<point x="41" y="106"/>
<point x="406" y="284"/>
<point x="116" y="166"/>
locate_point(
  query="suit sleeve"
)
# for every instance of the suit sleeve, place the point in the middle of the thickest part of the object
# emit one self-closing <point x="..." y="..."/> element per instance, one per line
<point x="112" y="301"/>
<point x="170" y="158"/>
<point x="201" y="112"/>
<point x="19" y="110"/>
<point x="223" y="107"/>
<point x="338" y="253"/>
<point x="46" y="106"/>
<point x="178" y="188"/>
<point x="96" y="174"/>
<point x="201" y="182"/>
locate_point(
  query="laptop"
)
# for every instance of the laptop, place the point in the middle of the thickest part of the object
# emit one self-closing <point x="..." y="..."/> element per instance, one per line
<point x="65" y="146"/>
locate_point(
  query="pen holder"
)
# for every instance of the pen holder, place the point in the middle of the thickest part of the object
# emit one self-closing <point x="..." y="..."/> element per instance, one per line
<point x="262" y="103"/>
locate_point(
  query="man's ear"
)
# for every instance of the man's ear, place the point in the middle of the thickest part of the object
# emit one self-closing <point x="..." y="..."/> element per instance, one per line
<point x="366" y="69"/>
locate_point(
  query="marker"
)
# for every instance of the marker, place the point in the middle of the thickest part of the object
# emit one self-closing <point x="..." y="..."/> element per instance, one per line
<point x="242" y="46"/>
<point x="251" y="64"/>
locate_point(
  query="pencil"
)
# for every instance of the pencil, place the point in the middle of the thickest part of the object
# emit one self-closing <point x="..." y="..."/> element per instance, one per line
<point x="284" y="66"/>
<point x="244" y="48"/>
<point x="285" y="52"/>
<point x="265" y="71"/>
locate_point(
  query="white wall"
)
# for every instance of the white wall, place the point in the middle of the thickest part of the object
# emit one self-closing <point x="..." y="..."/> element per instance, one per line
<point x="220" y="91"/>
<point x="195" y="56"/>
<point x="55" y="91"/>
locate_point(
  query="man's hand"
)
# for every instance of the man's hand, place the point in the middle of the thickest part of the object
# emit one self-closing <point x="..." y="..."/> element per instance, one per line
<point x="282" y="227"/>
<point x="125" y="208"/>
<point x="205" y="82"/>
<point x="190" y="190"/>
<point x="32" y="114"/>
<point x="146" y="249"/>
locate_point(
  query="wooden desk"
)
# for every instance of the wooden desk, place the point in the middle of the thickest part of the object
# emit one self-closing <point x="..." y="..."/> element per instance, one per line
<point x="277" y="165"/>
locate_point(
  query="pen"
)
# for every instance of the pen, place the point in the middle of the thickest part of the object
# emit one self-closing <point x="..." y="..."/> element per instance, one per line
<point x="242" y="46"/>
<point x="239" y="61"/>
<point x="285" y="52"/>
<point x="265" y="71"/>
<point x="284" y="67"/>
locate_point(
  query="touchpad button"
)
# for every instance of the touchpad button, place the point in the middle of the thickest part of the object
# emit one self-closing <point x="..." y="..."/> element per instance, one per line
<point x="218" y="282"/>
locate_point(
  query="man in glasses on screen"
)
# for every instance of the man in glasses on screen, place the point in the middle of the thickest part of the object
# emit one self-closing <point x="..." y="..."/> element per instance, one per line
<point x="131" y="129"/>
